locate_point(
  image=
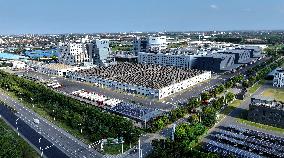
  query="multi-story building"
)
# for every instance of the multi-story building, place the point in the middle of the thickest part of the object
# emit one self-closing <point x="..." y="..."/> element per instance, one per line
<point x="157" y="43"/>
<point x="278" y="80"/>
<point x="180" y="58"/>
<point x="216" y="62"/>
<point x="140" y="45"/>
<point x="241" y="55"/>
<point x="83" y="53"/>
<point x="266" y="111"/>
<point x="99" y="51"/>
<point x="73" y="53"/>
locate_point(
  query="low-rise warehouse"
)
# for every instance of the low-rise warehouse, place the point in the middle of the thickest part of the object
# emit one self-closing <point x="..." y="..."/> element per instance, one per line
<point x="149" y="80"/>
<point x="57" y="69"/>
<point x="266" y="111"/>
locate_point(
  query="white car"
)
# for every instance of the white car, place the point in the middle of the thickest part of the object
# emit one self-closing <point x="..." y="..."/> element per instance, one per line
<point x="36" y="121"/>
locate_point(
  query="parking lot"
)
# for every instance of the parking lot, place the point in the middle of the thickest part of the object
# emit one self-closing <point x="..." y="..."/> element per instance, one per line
<point x="243" y="142"/>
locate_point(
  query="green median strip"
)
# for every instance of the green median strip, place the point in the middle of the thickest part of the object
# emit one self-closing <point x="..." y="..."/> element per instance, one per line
<point x="256" y="86"/>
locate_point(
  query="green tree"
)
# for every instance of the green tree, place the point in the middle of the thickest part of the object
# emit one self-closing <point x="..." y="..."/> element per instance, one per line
<point x="208" y="116"/>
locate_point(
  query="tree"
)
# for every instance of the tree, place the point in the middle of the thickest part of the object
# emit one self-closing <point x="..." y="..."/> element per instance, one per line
<point x="245" y="84"/>
<point x="192" y="104"/>
<point x="194" y="119"/>
<point x="208" y="116"/>
<point x="205" y="96"/>
<point x="228" y="84"/>
<point x="220" y="88"/>
<point x="230" y="96"/>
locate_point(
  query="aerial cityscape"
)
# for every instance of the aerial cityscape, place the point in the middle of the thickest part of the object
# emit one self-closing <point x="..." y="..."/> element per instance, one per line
<point x="147" y="79"/>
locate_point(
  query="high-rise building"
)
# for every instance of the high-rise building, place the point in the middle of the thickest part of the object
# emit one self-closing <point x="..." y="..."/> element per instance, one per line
<point x="140" y="45"/>
<point x="83" y="53"/>
<point x="99" y="51"/>
<point x="73" y="53"/>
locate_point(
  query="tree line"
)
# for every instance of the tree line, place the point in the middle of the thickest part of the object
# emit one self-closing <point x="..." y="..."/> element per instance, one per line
<point x="96" y="124"/>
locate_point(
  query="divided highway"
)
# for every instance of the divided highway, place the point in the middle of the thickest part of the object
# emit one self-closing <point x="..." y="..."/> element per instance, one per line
<point x="51" y="135"/>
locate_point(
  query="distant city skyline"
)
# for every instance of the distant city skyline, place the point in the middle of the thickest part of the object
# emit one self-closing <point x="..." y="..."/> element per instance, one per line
<point x="90" y="16"/>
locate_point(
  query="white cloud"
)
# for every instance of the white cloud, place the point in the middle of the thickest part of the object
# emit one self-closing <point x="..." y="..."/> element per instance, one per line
<point x="213" y="6"/>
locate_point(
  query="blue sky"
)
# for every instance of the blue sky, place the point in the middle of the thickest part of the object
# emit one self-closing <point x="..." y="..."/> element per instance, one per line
<point x="88" y="16"/>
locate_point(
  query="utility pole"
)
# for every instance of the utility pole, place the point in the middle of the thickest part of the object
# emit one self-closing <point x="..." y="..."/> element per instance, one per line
<point x="173" y="132"/>
<point x="139" y="148"/>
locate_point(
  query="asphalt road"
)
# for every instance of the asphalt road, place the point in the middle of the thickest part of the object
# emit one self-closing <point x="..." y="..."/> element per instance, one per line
<point x="42" y="144"/>
<point x="67" y="143"/>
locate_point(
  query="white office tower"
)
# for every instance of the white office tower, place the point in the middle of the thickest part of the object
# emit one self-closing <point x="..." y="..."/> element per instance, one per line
<point x="99" y="51"/>
<point x="73" y="53"/>
<point x="278" y="80"/>
<point x="157" y="43"/>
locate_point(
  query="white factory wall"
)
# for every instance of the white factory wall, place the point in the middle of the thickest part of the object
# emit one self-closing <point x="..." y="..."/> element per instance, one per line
<point x="149" y="92"/>
<point x="174" y="88"/>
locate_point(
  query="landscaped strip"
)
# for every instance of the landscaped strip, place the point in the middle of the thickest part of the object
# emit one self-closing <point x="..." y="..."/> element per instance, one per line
<point x="12" y="145"/>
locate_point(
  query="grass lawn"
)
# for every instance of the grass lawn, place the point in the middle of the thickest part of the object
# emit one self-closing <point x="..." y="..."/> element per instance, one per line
<point x="256" y="86"/>
<point x="232" y="106"/>
<point x="114" y="149"/>
<point x="261" y="126"/>
<point x="276" y="93"/>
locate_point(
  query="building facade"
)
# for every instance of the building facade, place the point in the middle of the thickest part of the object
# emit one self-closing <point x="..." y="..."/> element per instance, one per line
<point x="73" y="53"/>
<point x="140" y="45"/>
<point x="99" y="51"/>
<point x="84" y="53"/>
<point x="177" y="59"/>
<point x="266" y="111"/>
<point x="278" y="80"/>
<point x="157" y="43"/>
<point x="216" y="62"/>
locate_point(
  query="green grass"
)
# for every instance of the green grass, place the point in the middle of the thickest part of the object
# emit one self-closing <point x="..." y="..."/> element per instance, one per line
<point x="13" y="145"/>
<point x="256" y="86"/>
<point x="232" y="106"/>
<point x="114" y="149"/>
<point x="261" y="126"/>
<point x="276" y="93"/>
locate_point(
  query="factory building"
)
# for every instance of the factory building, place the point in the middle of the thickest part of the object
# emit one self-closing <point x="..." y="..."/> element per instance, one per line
<point x="152" y="81"/>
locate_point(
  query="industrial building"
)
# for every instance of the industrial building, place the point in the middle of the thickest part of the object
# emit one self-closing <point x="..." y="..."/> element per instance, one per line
<point x="57" y="69"/>
<point x="267" y="111"/>
<point x="180" y="58"/>
<point x="216" y="62"/>
<point x="149" y="80"/>
<point x="242" y="56"/>
<point x="226" y="60"/>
